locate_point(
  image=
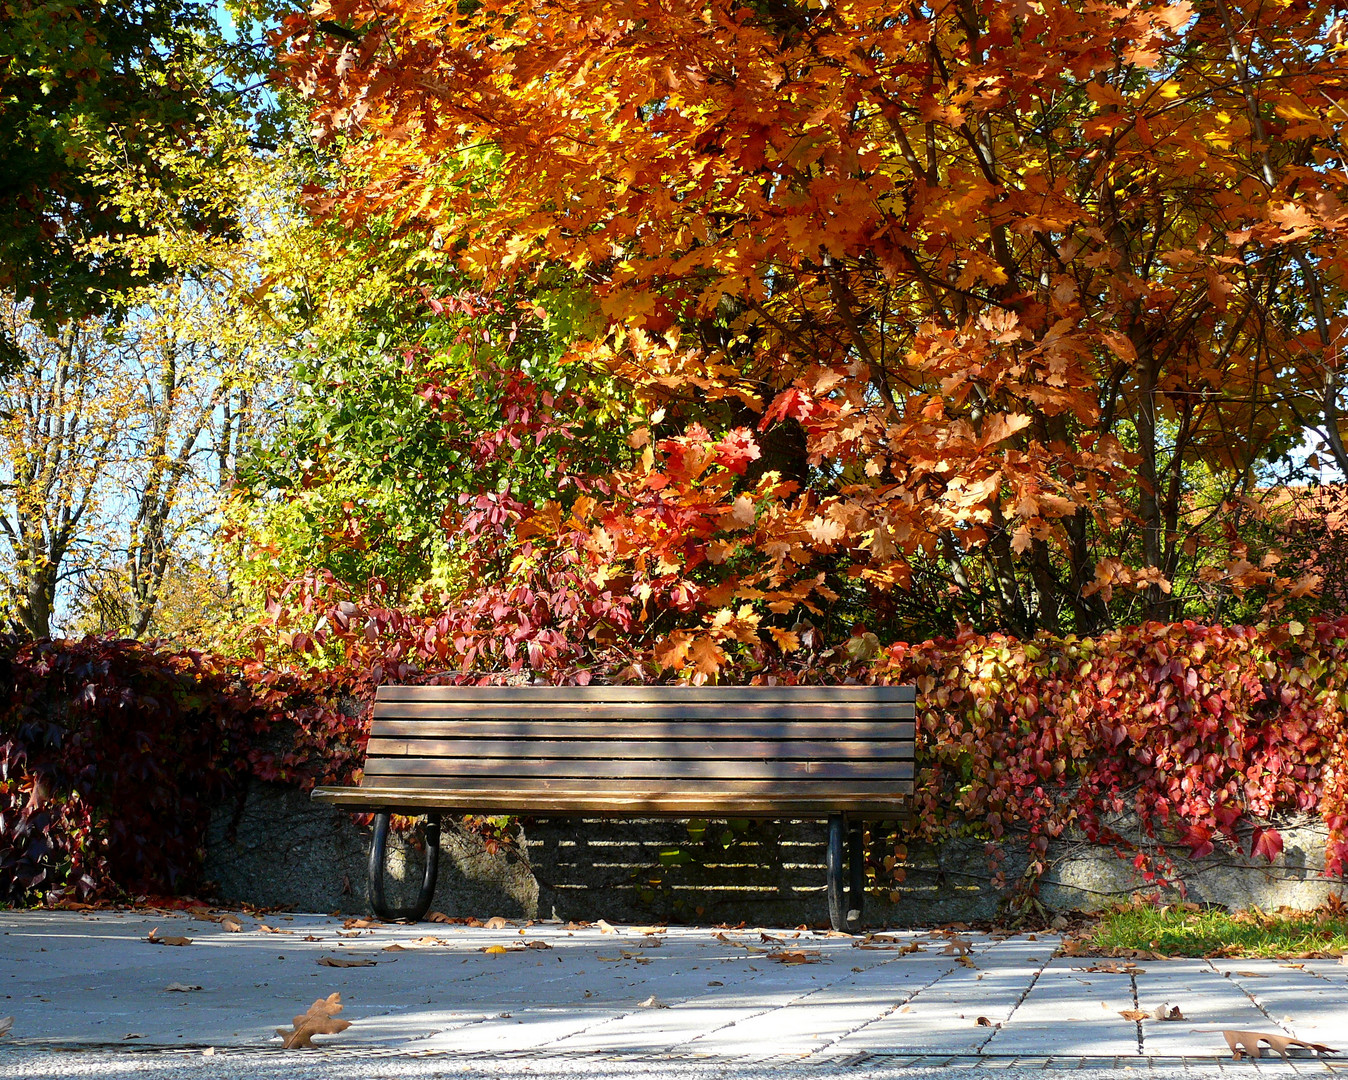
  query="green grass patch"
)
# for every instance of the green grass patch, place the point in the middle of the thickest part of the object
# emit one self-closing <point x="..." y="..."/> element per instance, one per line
<point x="1184" y="930"/>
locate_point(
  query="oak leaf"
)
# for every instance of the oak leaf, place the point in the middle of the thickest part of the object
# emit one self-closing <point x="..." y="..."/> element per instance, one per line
<point x="319" y="1020"/>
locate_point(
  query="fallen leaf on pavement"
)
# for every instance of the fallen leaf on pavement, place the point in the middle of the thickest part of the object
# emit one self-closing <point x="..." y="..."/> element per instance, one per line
<point x="155" y="939"/>
<point x="1247" y="974"/>
<point x="429" y="941"/>
<point x="6" y="1023"/>
<point x="795" y="956"/>
<point x="1247" y="1042"/>
<point x="333" y="961"/>
<point x="957" y="945"/>
<point x="1113" y="967"/>
<point x="495" y="923"/>
<point x="493" y="950"/>
<point x="182" y="987"/>
<point x="438" y="916"/>
<point x="650" y="930"/>
<point x="395" y="947"/>
<point x="360" y="924"/>
<point x="1172" y="1013"/>
<point x="1133" y="1014"/>
<point x="966" y="962"/>
<point x="653" y="1002"/>
<point x="983" y="1021"/>
<point x="605" y="927"/>
<point x="231" y="924"/>
<point x="319" y="1020"/>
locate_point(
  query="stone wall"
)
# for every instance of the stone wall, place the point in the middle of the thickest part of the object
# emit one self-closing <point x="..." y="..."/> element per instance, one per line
<point x="275" y="848"/>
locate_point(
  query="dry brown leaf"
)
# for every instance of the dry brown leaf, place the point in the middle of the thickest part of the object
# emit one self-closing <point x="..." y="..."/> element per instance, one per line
<point x="795" y="956"/>
<point x="983" y="1021"/>
<point x="6" y="1025"/>
<point x="1247" y="974"/>
<point x="1133" y="1014"/>
<point x="395" y="947"/>
<point x="966" y="962"/>
<point x="265" y="929"/>
<point x="768" y="939"/>
<point x="360" y="924"/>
<point x="537" y="945"/>
<point x="957" y="945"/>
<point x="648" y="930"/>
<point x="1113" y="967"/>
<point x="1247" y="1042"/>
<point x="231" y="924"/>
<point x="429" y="941"/>
<point x="652" y="1002"/>
<point x="495" y="923"/>
<point x="605" y="927"/>
<point x="155" y="939"/>
<point x="438" y="916"/>
<point x="576" y="926"/>
<point x="1163" y="1013"/>
<point x="319" y="1020"/>
<point x="334" y="961"/>
<point x="183" y="988"/>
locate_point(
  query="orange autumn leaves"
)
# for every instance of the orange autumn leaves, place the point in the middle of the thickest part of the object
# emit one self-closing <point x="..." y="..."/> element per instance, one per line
<point x="1008" y="270"/>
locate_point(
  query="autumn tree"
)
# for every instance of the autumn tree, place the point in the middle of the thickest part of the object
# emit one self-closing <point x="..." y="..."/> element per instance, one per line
<point x="78" y="78"/>
<point x="977" y="282"/>
<point x="60" y="414"/>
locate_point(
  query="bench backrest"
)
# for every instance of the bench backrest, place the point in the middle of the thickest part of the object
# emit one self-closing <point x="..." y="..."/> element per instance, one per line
<point x="657" y="749"/>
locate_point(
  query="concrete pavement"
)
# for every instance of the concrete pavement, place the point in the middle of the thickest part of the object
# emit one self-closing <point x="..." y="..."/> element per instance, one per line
<point x="90" y="993"/>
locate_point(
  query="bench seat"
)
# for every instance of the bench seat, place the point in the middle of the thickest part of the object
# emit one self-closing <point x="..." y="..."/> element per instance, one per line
<point x="837" y="752"/>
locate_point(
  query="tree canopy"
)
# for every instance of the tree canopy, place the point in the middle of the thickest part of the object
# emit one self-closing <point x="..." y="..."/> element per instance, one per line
<point x="81" y="80"/>
<point x="980" y="282"/>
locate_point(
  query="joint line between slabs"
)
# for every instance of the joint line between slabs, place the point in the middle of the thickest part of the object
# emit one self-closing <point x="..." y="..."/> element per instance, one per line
<point x="1249" y="994"/>
<point x="888" y="1012"/>
<point x="1019" y="1002"/>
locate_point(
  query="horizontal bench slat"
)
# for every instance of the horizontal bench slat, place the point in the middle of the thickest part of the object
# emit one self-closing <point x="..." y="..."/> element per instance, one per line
<point x="646" y="711"/>
<point x="867" y="730"/>
<point x="776" y="803"/>
<point x="643" y="729"/>
<point x="823" y="695"/>
<point x="650" y="748"/>
<point x="600" y="771"/>
<point x="655" y="785"/>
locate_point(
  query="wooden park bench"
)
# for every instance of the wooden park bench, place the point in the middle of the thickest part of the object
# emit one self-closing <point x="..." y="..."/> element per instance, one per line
<point x="844" y="753"/>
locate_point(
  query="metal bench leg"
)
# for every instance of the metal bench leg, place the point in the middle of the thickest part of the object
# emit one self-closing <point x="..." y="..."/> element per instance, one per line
<point x="378" y="850"/>
<point x="845" y="848"/>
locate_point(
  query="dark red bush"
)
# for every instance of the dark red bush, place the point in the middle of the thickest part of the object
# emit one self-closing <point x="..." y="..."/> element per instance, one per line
<point x="111" y="755"/>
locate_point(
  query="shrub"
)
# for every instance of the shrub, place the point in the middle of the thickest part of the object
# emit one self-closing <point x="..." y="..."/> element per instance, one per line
<point x="111" y="755"/>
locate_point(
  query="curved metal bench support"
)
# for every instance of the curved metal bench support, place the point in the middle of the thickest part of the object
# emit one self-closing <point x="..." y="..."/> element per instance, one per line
<point x="844" y="910"/>
<point x="378" y="850"/>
